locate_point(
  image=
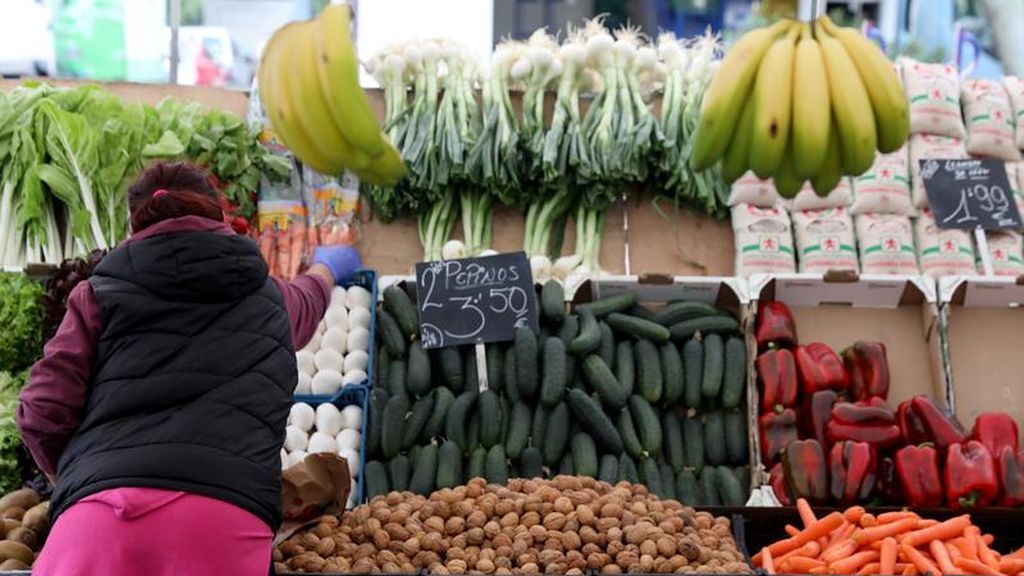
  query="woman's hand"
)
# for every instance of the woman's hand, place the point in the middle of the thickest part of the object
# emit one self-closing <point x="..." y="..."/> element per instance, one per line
<point x="341" y="263"/>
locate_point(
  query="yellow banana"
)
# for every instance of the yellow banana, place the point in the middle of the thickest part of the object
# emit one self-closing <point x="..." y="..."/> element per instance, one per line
<point x="892" y="118"/>
<point x="338" y="72"/>
<point x="812" y="113"/>
<point x="786" y="181"/>
<point x="384" y="170"/>
<point x="723" y="102"/>
<point x="827" y="178"/>
<point x="735" y="163"/>
<point x="773" y="105"/>
<point x="851" y="106"/>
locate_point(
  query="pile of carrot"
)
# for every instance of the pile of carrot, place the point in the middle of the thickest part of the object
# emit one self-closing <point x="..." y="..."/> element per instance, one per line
<point x="857" y="542"/>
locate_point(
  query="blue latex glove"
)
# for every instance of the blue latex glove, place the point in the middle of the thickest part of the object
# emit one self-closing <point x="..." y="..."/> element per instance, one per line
<point x="342" y="261"/>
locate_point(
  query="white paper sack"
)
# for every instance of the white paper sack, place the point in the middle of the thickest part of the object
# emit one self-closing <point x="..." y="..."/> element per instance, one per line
<point x="990" y="122"/>
<point x="808" y="199"/>
<point x="943" y="252"/>
<point x="764" y="240"/>
<point x="885" y="187"/>
<point x="934" y="94"/>
<point x="749" y="189"/>
<point x="926" y="147"/>
<point x="1006" y="248"/>
<point x="1013" y="174"/>
<point x="1015" y="89"/>
<point x="825" y="240"/>
<point x="886" y="244"/>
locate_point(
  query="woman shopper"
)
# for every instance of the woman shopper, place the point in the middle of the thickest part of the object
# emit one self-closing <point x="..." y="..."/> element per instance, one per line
<point x="160" y="405"/>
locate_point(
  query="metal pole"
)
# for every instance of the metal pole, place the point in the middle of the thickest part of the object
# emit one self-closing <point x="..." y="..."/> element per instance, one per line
<point x="175" y="25"/>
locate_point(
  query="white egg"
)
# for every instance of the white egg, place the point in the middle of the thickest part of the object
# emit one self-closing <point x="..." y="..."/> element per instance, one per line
<point x="314" y="343"/>
<point x="328" y="419"/>
<point x="358" y="339"/>
<point x="349" y="438"/>
<point x="322" y="442"/>
<point x="358" y="317"/>
<point x="296" y="457"/>
<point x="295" y="439"/>
<point x="326" y="382"/>
<point x="335" y="339"/>
<point x="304" y="359"/>
<point x="328" y="360"/>
<point x="305" y="385"/>
<point x="358" y="297"/>
<point x="353" y="378"/>
<point x="352" y="457"/>
<point x="338" y="296"/>
<point x="302" y="416"/>
<point x="284" y="459"/>
<point x="336" y="317"/>
<point x="356" y="360"/>
<point x="352" y="417"/>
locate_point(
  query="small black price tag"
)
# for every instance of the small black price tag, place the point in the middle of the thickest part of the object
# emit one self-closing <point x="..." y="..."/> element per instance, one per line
<point x="970" y="194"/>
<point x="475" y="300"/>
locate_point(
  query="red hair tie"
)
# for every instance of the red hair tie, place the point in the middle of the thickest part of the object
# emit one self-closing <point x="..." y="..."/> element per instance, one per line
<point x="161" y="192"/>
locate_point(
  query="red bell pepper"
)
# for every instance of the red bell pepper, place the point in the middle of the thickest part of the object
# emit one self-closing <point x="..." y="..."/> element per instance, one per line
<point x="868" y="367"/>
<point x="776" y="431"/>
<point x="776" y="376"/>
<point x="996" y="430"/>
<point x="775" y="326"/>
<point x="777" y="480"/>
<point x="925" y="422"/>
<point x="820" y="368"/>
<point x="815" y="414"/>
<point x="871" y="421"/>
<point x="1010" y="465"/>
<point x="851" y="468"/>
<point x="803" y="463"/>
<point x="970" y="475"/>
<point x="917" y="468"/>
<point x="887" y="485"/>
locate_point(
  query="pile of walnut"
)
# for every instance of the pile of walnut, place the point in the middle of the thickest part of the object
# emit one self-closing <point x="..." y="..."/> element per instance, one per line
<point x="25" y="521"/>
<point x="567" y="525"/>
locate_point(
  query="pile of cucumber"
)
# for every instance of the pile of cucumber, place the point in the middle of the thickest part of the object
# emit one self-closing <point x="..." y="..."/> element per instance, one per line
<point x="612" y="390"/>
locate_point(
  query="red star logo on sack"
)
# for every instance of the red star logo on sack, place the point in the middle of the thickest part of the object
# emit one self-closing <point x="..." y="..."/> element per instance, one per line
<point x="948" y="246"/>
<point x="890" y="245"/>
<point x="769" y="244"/>
<point x="829" y="244"/>
<point x="999" y="254"/>
<point x="886" y="173"/>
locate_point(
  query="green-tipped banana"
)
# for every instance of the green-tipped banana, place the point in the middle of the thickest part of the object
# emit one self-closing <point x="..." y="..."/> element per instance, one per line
<point x="773" y="105"/>
<point x="384" y="170"/>
<point x="786" y="182"/>
<point x="812" y="107"/>
<point x="735" y="163"/>
<point x="851" y="106"/>
<point x="827" y="178"/>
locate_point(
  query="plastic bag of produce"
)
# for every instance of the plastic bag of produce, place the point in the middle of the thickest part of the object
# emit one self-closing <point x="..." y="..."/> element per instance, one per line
<point x="1006" y="248"/>
<point x="764" y="240"/>
<point x="885" y="187"/>
<point x="825" y="240"/>
<point x="749" y="189"/>
<point x="886" y="243"/>
<point x="808" y="199"/>
<point x="943" y="252"/>
<point x="990" y="121"/>
<point x="934" y="94"/>
<point x="926" y="147"/>
<point x="1015" y="89"/>
<point x="332" y="204"/>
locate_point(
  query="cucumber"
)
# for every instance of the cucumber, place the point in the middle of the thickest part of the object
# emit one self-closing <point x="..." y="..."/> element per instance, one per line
<point x="375" y="422"/>
<point x="531" y="463"/>
<point x="676" y="312"/>
<point x="509" y="365"/>
<point x="594" y="421"/>
<point x="688" y="490"/>
<point x="641" y="311"/>
<point x="693" y="434"/>
<point x="489" y="409"/>
<point x="648" y="371"/>
<point x="526" y="363"/>
<point x="443" y="400"/>
<point x="584" y="455"/>
<point x="552" y="302"/>
<point x="607" y="348"/>
<point x="496" y="466"/>
<point x="569" y="330"/>
<point x="650" y="476"/>
<point x="627" y="470"/>
<point x="392" y="433"/>
<point x="693" y="368"/>
<point x="449" y="465"/>
<point x="399" y="470"/>
<point x="608" y="470"/>
<point x="638" y="328"/>
<point x="630" y="440"/>
<point x="424" y="472"/>
<point x="518" y="430"/>
<point x="609" y="304"/>
<point x="390" y="334"/>
<point x="705" y="325"/>
<point x="556" y="436"/>
<point x="469" y="371"/>
<point x="714" y="439"/>
<point x="671" y="374"/>
<point x="734" y="379"/>
<point x="552" y="388"/>
<point x="714" y="365"/>
<point x="570" y="370"/>
<point x="495" y="368"/>
<point x="375" y="478"/>
<point x="625" y="366"/>
<point x="668" y="482"/>
<point x="742" y="474"/>
<point x="455" y="428"/>
<point x="730" y="493"/>
<point x="539" y="425"/>
<point x="473" y="431"/>
<point x="566" y="467"/>
<point x="396" y="378"/>
<point x="413" y="453"/>
<point x="709" y="483"/>
<point x="737" y="443"/>
<point x="589" y="338"/>
<point x="647" y="425"/>
<point x="672" y="434"/>
<point x="506" y="417"/>
<point x="397" y="302"/>
<point x="449" y="360"/>
<point x="417" y="420"/>
<point x="477" y="464"/>
<point x="383" y="361"/>
<point x="603" y="382"/>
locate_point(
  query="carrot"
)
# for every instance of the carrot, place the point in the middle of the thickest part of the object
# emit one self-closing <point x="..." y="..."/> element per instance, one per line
<point x="870" y="568"/>
<point x="820" y="570"/>
<point x="985" y="554"/>
<point x="974" y="567"/>
<point x="868" y="520"/>
<point x="839" y="551"/>
<point x="953" y="551"/>
<point x="820" y="528"/>
<point x="851" y="564"/>
<point x="941" y="555"/>
<point x="867" y="535"/>
<point x="967" y="546"/>
<point x="769" y="564"/>
<point x="989" y="539"/>
<point x="909" y="570"/>
<point x="901" y="566"/>
<point x="943" y="531"/>
<point x="853" y="514"/>
<point x="792" y="530"/>
<point x="887" y="558"/>
<point x="801" y="565"/>
<point x="1018" y="553"/>
<point x="806" y="514"/>
<point x="810" y="550"/>
<point x="888" y="517"/>
<point x="876" y="545"/>
<point x="923" y="564"/>
<point x="927" y="523"/>
<point x="1011" y="565"/>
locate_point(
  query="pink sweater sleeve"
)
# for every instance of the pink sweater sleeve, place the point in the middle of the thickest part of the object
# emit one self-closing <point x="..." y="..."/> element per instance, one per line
<point x="306" y="299"/>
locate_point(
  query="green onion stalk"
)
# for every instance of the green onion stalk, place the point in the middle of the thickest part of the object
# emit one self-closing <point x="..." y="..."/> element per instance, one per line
<point x="393" y="72"/>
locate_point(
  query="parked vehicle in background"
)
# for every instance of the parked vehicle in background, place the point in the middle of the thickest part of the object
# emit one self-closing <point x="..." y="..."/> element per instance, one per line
<point x="26" y="41"/>
<point x="206" y="55"/>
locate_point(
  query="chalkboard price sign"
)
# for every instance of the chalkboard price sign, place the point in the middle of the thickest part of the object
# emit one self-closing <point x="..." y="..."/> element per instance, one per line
<point x="970" y="194"/>
<point x="475" y="300"/>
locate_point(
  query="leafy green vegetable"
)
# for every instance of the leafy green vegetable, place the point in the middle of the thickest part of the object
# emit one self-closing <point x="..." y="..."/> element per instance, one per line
<point x="21" y="315"/>
<point x="10" y="440"/>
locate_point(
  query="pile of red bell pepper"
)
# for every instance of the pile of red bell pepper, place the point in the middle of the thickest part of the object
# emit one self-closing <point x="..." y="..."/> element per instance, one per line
<point x="828" y="433"/>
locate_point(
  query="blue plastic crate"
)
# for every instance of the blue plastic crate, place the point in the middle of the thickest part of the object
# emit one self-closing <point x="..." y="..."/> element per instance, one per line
<point x="367" y="279"/>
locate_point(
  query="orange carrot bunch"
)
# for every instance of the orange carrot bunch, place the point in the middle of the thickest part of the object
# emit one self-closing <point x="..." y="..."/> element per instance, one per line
<point x="856" y="542"/>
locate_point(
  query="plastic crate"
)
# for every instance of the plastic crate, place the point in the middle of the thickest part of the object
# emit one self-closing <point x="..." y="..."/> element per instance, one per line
<point x="367" y="279"/>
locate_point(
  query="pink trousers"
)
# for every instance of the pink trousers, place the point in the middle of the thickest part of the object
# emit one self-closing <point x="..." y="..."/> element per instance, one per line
<point x="136" y="531"/>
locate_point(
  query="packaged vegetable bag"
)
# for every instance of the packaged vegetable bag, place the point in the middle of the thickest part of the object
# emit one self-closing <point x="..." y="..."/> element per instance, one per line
<point x="1006" y="249"/>
<point x="885" y="187"/>
<point x="990" y="120"/>
<point x="764" y="240"/>
<point x="749" y="189"/>
<point x="1015" y="90"/>
<point x="943" y="252"/>
<point x="934" y="94"/>
<point x="332" y="204"/>
<point x="825" y="240"/>
<point x="808" y="199"/>
<point x="886" y="244"/>
<point x="927" y="147"/>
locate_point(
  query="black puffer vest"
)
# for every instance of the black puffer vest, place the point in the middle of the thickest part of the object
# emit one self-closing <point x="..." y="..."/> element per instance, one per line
<point x="193" y="376"/>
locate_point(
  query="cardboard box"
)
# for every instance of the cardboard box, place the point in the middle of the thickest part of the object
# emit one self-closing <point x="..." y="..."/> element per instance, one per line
<point x="984" y="335"/>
